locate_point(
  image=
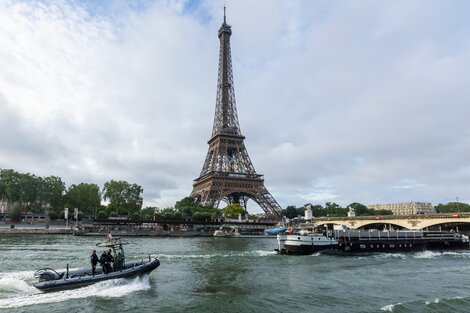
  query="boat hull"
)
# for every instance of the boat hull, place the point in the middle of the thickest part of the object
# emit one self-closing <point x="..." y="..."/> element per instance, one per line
<point x="299" y="244"/>
<point x="82" y="278"/>
<point x="354" y="241"/>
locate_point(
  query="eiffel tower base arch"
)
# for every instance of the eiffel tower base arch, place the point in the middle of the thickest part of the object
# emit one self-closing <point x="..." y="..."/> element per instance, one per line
<point x="213" y="189"/>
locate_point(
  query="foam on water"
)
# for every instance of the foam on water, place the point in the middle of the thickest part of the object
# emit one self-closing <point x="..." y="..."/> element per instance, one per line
<point x="437" y="300"/>
<point x="447" y="254"/>
<point x="457" y="254"/>
<point x="23" y="275"/>
<point x="316" y="254"/>
<point x="263" y="253"/>
<point x="260" y="253"/>
<point x="107" y="289"/>
<point x="390" y="256"/>
<point x="389" y="307"/>
<point x="16" y="281"/>
<point x="427" y="255"/>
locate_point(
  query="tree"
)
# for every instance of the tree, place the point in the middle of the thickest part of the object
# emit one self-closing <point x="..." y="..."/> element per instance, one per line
<point x="233" y="209"/>
<point x="169" y="214"/>
<point x="15" y="212"/>
<point x="123" y="197"/>
<point x="8" y="184"/>
<point x="101" y="215"/>
<point x="291" y="211"/>
<point x="85" y="197"/>
<point x="187" y="206"/>
<point x="361" y="209"/>
<point x="334" y="209"/>
<point x="452" y="207"/>
<point x="53" y="215"/>
<point x="149" y="212"/>
<point x="201" y="216"/>
<point x="53" y="190"/>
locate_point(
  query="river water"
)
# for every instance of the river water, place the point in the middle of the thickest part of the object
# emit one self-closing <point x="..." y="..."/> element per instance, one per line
<point x="235" y="275"/>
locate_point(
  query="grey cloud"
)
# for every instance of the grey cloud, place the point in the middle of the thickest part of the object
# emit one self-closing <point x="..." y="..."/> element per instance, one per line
<point x="343" y="101"/>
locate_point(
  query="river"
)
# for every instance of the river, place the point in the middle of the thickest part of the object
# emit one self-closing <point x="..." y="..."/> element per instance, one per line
<point x="235" y="275"/>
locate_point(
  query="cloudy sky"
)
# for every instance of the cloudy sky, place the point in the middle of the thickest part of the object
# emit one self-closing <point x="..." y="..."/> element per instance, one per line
<point x="340" y="101"/>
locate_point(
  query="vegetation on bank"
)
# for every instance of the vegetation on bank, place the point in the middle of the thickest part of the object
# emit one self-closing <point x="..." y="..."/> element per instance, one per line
<point x="333" y="209"/>
<point x="452" y="207"/>
<point x="31" y="193"/>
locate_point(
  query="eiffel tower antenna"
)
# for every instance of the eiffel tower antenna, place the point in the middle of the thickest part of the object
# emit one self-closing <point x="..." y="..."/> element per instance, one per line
<point x="227" y="173"/>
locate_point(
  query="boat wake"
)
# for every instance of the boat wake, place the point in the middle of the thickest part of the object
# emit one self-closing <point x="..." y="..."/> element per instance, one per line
<point x="445" y="254"/>
<point x="256" y="253"/>
<point x="419" y="255"/>
<point x="455" y="304"/>
<point x="31" y="296"/>
<point x="16" y="281"/>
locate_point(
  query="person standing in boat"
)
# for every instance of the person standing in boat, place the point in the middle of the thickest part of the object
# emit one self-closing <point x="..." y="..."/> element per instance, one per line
<point x="94" y="261"/>
<point x="103" y="262"/>
<point x="109" y="260"/>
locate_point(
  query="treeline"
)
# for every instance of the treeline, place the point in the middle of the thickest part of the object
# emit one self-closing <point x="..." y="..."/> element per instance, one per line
<point x="27" y="192"/>
<point x="30" y="193"/>
<point x="334" y="210"/>
<point x="187" y="208"/>
<point x="452" y="207"/>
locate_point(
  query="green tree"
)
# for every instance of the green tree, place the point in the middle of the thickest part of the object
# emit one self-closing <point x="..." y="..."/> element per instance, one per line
<point x="360" y="209"/>
<point x="187" y="206"/>
<point x="123" y="197"/>
<point x="291" y="211"/>
<point x="86" y="197"/>
<point x="9" y="185"/>
<point x="233" y="209"/>
<point x="318" y="210"/>
<point x="17" y="187"/>
<point x="149" y="212"/>
<point x="202" y="216"/>
<point x="52" y="191"/>
<point x="53" y="215"/>
<point x="101" y="215"/>
<point x="169" y="214"/>
<point x="452" y="207"/>
<point x="334" y="209"/>
<point x="15" y="212"/>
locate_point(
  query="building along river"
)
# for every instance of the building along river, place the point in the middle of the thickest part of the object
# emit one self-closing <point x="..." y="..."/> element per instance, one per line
<point x="235" y="275"/>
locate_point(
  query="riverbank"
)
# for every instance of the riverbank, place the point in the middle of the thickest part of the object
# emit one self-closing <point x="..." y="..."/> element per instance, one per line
<point x="36" y="231"/>
<point x="146" y="233"/>
<point x="61" y="230"/>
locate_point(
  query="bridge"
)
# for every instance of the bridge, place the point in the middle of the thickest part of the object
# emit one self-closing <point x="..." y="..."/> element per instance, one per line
<point x="412" y="222"/>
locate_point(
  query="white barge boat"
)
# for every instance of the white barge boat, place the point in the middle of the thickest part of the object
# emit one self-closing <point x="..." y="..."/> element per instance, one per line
<point x="347" y="240"/>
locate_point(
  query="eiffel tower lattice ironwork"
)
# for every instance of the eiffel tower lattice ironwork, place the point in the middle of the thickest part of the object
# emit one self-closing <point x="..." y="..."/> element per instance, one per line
<point x="228" y="174"/>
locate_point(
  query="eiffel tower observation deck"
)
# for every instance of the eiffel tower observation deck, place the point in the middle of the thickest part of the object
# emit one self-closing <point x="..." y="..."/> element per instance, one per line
<point x="228" y="174"/>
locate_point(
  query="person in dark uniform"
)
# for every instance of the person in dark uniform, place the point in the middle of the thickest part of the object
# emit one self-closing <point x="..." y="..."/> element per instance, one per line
<point x="103" y="261"/>
<point x="94" y="261"/>
<point x="109" y="260"/>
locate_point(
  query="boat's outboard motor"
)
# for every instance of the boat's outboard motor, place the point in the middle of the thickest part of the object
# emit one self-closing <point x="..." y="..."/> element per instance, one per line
<point x="47" y="274"/>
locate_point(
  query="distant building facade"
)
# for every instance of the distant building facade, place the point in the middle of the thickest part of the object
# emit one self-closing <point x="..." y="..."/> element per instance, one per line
<point x="405" y="208"/>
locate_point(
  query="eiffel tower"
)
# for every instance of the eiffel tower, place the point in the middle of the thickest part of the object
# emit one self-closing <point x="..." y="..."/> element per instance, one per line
<point x="227" y="173"/>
